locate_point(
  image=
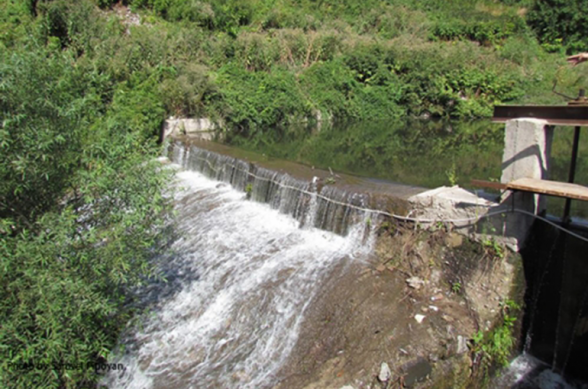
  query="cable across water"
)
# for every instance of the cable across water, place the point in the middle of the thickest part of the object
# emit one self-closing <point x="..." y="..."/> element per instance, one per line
<point x="473" y="219"/>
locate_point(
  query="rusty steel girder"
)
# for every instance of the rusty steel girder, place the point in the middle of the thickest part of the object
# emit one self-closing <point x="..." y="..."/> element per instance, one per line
<point x="558" y="115"/>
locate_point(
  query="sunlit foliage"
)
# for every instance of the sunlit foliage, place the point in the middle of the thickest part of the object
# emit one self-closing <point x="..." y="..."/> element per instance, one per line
<point x="82" y="210"/>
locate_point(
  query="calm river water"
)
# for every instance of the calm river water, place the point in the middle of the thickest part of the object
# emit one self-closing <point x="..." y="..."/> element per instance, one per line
<point x="423" y="153"/>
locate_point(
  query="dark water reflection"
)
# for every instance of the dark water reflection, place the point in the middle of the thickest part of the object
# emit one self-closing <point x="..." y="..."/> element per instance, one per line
<point x="556" y="319"/>
<point x="422" y="153"/>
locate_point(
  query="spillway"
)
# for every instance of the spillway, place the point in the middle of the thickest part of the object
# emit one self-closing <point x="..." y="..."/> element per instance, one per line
<point x="254" y="248"/>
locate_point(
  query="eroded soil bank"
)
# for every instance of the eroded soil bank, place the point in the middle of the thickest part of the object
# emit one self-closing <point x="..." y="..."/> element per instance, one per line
<point x="415" y="305"/>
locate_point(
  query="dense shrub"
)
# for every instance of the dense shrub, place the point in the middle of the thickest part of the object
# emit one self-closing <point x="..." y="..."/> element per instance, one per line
<point x="186" y="94"/>
<point x="81" y="208"/>
<point x="251" y="102"/>
<point x="486" y="33"/>
<point x="561" y="22"/>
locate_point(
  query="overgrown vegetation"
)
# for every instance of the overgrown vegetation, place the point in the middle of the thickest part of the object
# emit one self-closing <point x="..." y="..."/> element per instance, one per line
<point x="561" y="25"/>
<point x="494" y="348"/>
<point x="264" y="64"/>
<point x="81" y="206"/>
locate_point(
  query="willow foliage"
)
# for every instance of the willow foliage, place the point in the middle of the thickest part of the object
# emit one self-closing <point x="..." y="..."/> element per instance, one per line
<point x="82" y="211"/>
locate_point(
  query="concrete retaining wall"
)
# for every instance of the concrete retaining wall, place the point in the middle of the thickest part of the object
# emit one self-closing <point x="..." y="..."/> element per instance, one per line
<point x="526" y="155"/>
<point x="201" y="128"/>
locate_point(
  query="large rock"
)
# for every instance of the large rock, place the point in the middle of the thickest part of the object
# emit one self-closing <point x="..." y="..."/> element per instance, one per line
<point x="202" y="128"/>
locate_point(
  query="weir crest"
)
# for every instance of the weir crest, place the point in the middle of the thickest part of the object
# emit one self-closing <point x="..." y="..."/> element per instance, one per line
<point x="312" y="203"/>
<point x="240" y="278"/>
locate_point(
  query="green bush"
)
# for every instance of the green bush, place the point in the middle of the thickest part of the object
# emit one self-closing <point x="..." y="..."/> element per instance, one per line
<point x="14" y="16"/>
<point x="185" y="94"/>
<point x="45" y="108"/>
<point x="441" y="80"/>
<point x="328" y="86"/>
<point x="484" y="33"/>
<point x="561" y="22"/>
<point x="250" y="102"/>
<point x="81" y="208"/>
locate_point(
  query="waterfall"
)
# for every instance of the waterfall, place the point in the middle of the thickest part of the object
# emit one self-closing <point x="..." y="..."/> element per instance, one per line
<point x="555" y="331"/>
<point x="313" y="204"/>
<point x="239" y="280"/>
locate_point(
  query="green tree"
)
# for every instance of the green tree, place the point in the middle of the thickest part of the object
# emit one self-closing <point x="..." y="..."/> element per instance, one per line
<point x="82" y="211"/>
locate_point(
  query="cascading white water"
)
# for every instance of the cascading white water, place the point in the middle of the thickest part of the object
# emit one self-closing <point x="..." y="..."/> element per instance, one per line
<point x="527" y="372"/>
<point x="331" y="208"/>
<point x="240" y="280"/>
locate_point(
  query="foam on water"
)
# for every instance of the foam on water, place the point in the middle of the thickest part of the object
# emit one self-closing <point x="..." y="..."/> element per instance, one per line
<point x="527" y="372"/>
<point x="241" y="279"/>
<point x="333" y="209"/>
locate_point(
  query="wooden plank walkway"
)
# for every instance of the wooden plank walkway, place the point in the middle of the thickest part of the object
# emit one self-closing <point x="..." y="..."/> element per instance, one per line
<point x="552" y="188"/>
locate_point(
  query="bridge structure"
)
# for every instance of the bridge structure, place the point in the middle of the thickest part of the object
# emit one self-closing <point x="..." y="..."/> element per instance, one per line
<point x="529" y="133"/>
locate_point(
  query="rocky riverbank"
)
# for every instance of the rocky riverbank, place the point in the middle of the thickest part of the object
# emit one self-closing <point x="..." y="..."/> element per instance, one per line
<point x="409" y="316"/>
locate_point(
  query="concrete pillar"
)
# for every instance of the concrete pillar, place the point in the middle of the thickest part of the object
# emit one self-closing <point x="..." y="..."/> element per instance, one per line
<point x="527" y="147"/>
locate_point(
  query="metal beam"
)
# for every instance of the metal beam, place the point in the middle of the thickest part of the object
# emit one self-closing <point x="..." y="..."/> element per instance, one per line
<point x="561" y="115"/>
<point x="489" y="184"/>
<point x="572" y="174"/>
